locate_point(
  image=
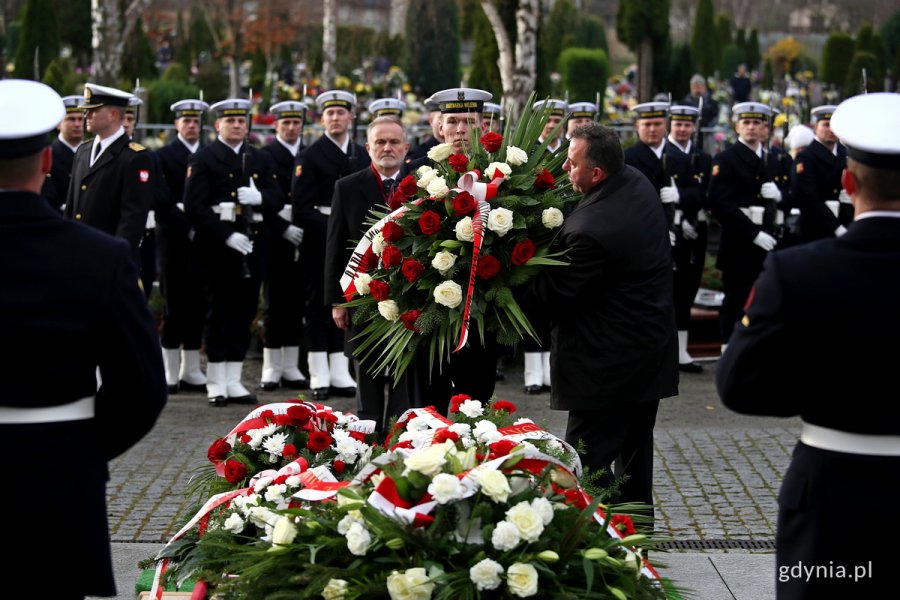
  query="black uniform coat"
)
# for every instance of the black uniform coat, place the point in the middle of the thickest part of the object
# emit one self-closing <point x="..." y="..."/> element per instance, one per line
<point x="819" y="312"/>
<point x="172" y="221"/>
<point x="283" y="166"/>
<point x="422" y="149"/>
<point x="215" y="172"/>
<point x="56" y="185"/>
<point x="817" y="178"/>
<point x="613" y="339"/>
<point x="660" y="171"/>
<point x="69" y="302"/>
<point x="116" y="193"/>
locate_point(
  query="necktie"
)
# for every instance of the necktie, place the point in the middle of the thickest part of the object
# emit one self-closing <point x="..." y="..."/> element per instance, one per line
<point x="388" y="187"/>
<point x="96" y="153"/>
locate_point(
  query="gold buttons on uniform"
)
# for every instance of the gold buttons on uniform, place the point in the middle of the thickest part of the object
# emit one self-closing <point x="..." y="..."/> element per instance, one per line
<point x="77" y="216"/>
<point x="83" y="186"/>
<point x="231" y="174"/>
<point x="233" y="194"/>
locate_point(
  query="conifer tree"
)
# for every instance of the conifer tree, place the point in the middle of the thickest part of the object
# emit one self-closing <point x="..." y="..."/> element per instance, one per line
<point x="704" y="42"/>
<point x="432" y="44"/>
<point x="644" y="26"/>
<point x="38" y="39"/>
<point x="836" y="56"/>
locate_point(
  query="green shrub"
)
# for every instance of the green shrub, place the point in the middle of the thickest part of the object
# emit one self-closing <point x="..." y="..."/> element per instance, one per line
<point x="584" y="71"/>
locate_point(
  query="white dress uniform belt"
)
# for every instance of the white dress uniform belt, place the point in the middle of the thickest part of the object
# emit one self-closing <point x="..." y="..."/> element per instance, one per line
<point x="754" y="213"/>
<point x="286" y="213"/>
<point x="151" y="220"/>
<point x="701" y="216"/>
<point x="73" y="411"/>
<point x="228" y="211"/>
<point x="325" y="210"/>
<point x="835" y="440"/>
<point x="679" y="214"/>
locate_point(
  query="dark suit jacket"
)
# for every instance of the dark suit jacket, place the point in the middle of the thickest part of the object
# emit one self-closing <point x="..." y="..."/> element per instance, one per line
<point x="817" y="178"/>
<point x="70" y="302"/>
<point x="116" y="193"/>
<point x="57" y="184"/>
<point x="422" y="149"/>
<point x="613" y="338"/>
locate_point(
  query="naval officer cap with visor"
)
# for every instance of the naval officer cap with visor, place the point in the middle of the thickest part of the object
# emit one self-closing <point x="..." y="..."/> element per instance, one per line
<point x="29" y="111"/>
<point x="867" y="126"/>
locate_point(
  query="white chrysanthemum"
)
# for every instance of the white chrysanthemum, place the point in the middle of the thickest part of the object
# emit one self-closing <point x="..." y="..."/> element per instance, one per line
<point x="274" y="445"/>
<point x="246" y="503"/>
<point x="500" y="221"/>
<point x="523" y="421"/>
<point x="440" y="152"/>
<point x="335" y="589"/>
<point x="516" y="156"/>
<point x="260" y="484"/>
<point x="445" y="488"/>
<point x="471" y="408"/>
<point x="262" y="516"/>
<point x="389" y="310"/>
<point x="358" y="539"/>
<point x="437" y="187"/>
<point x="275" y="492"/>
<point x="378" y="243"/>
<point x="462" y="430"/>
<point x="443" y="261"/>
<point x="258" y="435"/>
<point x="448" y="293"/>
<point x="486" y="574"/>
<point x="418" y="424"/>
<point x="552" y="218"/>
<point x="491" y="171"/>
<point x="522" y="580"/>
<point x="426" y="178"/>
<point x="464" y="230"/>
<point x="527" y="521"/>
<point x="362" y="282"/>
<point x="293" y="481"/>
<point x="505" y="536"/>
<point x="234" y="523"/>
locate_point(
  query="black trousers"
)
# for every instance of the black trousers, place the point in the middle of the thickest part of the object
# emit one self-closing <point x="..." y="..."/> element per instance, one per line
<point x="284" y="294"/>
<point x="737" y="285"/>
<point x="232" y="307"/>
<point x="185" y="294"/>
<point x="148" y="261"/>
<point x="377" y="398"/>
<point x="689" y="256"/>
<point x="323" y="334"/>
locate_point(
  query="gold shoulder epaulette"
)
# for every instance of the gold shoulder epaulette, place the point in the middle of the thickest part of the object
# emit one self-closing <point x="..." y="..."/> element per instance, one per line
<point x="136" y="147"/>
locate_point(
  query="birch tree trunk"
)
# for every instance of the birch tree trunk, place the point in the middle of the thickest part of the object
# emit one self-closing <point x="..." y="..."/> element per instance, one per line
<point x="399" y="8"/>
<point x="111" y="24"/>
<point x="329" y="43"/>
<point x="518" y="68"/>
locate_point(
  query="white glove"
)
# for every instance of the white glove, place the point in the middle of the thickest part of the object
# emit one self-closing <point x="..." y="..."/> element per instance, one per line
<point x="844" y="197"/>
<point x="249" y="195"/>
<point x="765" y="241"/>
<point x="688" y="231"/>
<point x="672" y="237"/>
<point x="669" y="194"/>
<point x="770" y="190"/>
<point x="841" y="230"/>
<point x="293" y="234"/>
<point x="239" y="243"/>
<point x="191" y="234"/>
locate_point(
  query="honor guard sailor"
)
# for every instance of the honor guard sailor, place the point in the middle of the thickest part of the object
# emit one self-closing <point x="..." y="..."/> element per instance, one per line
<point x="71" y="133"/>
<point x="148" y="241"/>
<point x="580" y="113"/>
<point x="434" y="138"/>
<point x="556" y="114"/>
<point x="384" y="107"/>
<point x="492" y="118"/>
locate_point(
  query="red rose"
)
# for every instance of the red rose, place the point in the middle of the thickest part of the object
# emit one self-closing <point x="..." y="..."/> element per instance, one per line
<point x="522" y="252"/>
<point x="412" y="269"/>
<point x="463" y="204"/>
<point x="491" y="141"/>
<point x="299" y="415"/>
<point x="235" y="471"/>
<point x="318" y="441"/>
<point x="267" y="415"/>
<point x="408" y="186"/>
<point x="409" y="319"/>
<point x="458" y="399"/>
<point x="397" y="199"/>
<point x="391" y="256"/>
<point x="504" y="405"/>
<point x="429" y="222"/>
<point x="218" y="451"/>
<point x="488" y="267"/>
<point x="391" y="232"/>
<point x="502" y="447"/>
<point x="289" y="450"/>
<point x="623" y="524"/>
<point x="368" y="263"/>
<point x="459" y="162"/>
<point x="443" y="434"/>
<point x="544" y="180"/>
<point x="379" y="289"/>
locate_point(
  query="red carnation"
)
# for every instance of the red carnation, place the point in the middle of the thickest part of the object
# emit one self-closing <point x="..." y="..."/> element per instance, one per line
<point x="412" y="269"/>
<point x="458" y="399"/>
<point x="379" y="290"/>
<point x="235" y="471"/>
<point x="522" y="252"/>
<point x="368" y="263"/>
<point x="501" y="448"/>
<point x="544" y="180"/>
<point x="443" y="434"/>
<point x="299" y="415"/>
<point x="391" y="232"/>
<point x="318" y="441"/>
<point x="391" y="256"/>
<point x="339" y="466"/>
<point x="244" y="438"/>
<point x="463" y="204"/>
<point x="459" y="162"/>
<point x="409" y="319"/>
<point x="429" y="222"/>
<point x="218" y="451"/>
<point x="504" y="405"/>
<point x="267" y="415"/>
<point x="623" y="524"/>
<point x="576" y="497"/>
<point x="289" y="451"/>
<point x="408" y="186"/>
<point x="282" y="420"/>
<point x="488" y="267"/>
<point x="491" y="141"/>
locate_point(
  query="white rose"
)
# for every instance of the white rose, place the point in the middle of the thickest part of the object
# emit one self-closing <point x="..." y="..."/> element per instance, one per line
<point x="389" y="310"/>
<point x="445" y="488"/>
<point x="491" y="170"/>
<point x="464" y="231"/>
<point x="486" y="575"/>
<point x="427" y="461"/>
<point x="285" y="531"/>
<point x="358" y="540"/>
<point x="354" y="516"/>
<point x="486" y="432"/>
<point x="471" y="408"/>
<point x="544" y="508"/>
<point x="527" y="521"/>
<point x="437" y="187"/>
<point x="448" y="293"/>
<point x="378" y="244"/>
<point x="425" y="178"/>
<point x="362" y="282"/>
<point x="516" y="156"/>
<point x="522" y="580"/>
<point x="421" y="171"/>
<point x="552" y="218"/>
<point x="412" y="584"/>
<point x="500" y="220"/>
<point x="443" y="261"/>
<point x="505" y="536"/>
<point x="335" y="589"/>
<point x="234" y="523"/>
<point x="494" y="485"/>
<point x="440" y="152"/>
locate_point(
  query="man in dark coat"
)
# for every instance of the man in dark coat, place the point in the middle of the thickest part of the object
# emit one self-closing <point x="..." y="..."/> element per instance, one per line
<point x="614" y="352"/>
<point x="68" y="294"/>
<point x="819" y="340"/>
<point x="112" y="184"/>
<point x="71" y="132"/>
<point x="318" y="167"/>
<point x="180" y="277"/>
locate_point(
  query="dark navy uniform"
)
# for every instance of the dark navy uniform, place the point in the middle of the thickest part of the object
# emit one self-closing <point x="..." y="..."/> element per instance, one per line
<point x="816" y="179"/>
<point x="56" y="185"/>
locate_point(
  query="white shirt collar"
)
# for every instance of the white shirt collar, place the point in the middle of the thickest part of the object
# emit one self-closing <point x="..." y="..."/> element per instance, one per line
<point x="65" y="143"/>
<point x="344" y="147"/>
<point x="191" y="147"/>
<point x="658" y="151"/>
<point x="292" y="148"/>
<point x="237" y="149"/>
<point x="686" y="149"/>
<point x="394" y="176"/>
<point x="878" y="213"/>
<point x="105" y="143"/>
<point x="759" y="148"/>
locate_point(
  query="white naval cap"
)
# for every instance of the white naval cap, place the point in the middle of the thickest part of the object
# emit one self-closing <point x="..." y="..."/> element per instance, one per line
<point x="96" y="96"/>
<point x="553" y="106"/>
<point x="189" y="108"/>
<point x="73" y="103"/>
<point x="491" y="108"/>
<point x="583" y="110"/>
<point x="651" y="110"/>
<point x="800" y="136"/>
<point x="288" y="109"/>
<point x="680" y="112"/>
<point x="133" y="103"/>
<point x="867" y="125"/>
<point x="231" y="107"/>
<point x="461" y="100"/>
<point x="29" y="110"/>
<point x="751" y="110"/>
<point x="383" y="107"/>
<point x="338" y="98"/>
<point x="822" y="113"/>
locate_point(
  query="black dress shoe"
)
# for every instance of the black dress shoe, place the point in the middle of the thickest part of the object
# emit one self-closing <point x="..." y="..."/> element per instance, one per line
<point x="690" y="367"/>
<point x="320" y="394"/>
<point x="268" y="386"/>
<point x="533" y="390"/>
<point x="173" y="389"/>
<point x="191" y="387"/>
<point x="343" y="392"/>
<point x="295" y="384"/>
<point x="248" y="399"/>
<point x="218" y="401"/>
